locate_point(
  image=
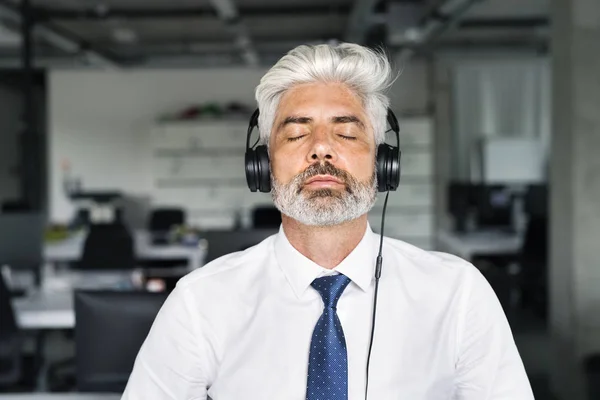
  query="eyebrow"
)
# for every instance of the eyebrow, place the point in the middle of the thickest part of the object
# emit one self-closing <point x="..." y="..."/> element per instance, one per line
<point x="348" y="119"/>
<point x="342" y="119"/>
<point x="294" y="120"/>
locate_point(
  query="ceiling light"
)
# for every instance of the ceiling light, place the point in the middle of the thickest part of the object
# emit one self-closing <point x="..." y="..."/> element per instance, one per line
<point x="451" y="6"/>
<point x="124" y="35"/>
<point x="102" y="9"/>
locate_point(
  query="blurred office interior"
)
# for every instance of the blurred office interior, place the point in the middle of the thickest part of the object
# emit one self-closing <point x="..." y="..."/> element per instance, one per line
<point x="122" y="136"/>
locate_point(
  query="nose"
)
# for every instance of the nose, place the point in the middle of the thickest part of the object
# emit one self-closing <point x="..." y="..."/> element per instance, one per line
<point x="322" y="148"/>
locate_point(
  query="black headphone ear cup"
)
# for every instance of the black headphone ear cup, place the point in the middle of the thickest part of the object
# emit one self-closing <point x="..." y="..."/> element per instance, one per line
<point x="251" y="170"/>
<point x="263" y="169"/>
<point x="388" y="168"/>
<point x="382" y="161"/>
<point x="395" y="170"/>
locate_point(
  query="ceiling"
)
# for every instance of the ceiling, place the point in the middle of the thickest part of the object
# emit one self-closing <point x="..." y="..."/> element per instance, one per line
<point x="254" y="32"/>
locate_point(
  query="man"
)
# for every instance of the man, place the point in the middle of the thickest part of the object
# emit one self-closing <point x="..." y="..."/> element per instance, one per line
<point x="291" y="317"/>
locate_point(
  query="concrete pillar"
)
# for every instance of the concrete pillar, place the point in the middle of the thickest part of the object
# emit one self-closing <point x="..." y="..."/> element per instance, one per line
<point x="441" y="93"/>
<point x="575" y="192"/>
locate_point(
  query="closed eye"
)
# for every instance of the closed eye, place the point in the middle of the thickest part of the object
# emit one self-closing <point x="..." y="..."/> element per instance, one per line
<point x="347" y="137"/>
<point x="296" y="138"/>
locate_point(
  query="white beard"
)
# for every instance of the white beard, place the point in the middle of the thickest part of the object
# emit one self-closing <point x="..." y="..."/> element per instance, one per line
<point x="324" y="207"/>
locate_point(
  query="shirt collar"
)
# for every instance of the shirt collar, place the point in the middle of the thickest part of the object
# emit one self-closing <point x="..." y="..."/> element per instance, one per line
<point x="359" y="265"/>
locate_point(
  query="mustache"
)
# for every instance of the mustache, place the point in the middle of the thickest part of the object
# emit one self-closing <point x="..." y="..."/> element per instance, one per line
<point x="324" y="169"/>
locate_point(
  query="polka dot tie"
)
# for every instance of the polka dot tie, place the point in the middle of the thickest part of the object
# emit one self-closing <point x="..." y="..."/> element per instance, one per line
<point x="328" y="362"/>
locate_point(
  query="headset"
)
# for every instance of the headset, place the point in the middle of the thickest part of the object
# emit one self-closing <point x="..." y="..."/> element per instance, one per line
<point x="258" y="177"/>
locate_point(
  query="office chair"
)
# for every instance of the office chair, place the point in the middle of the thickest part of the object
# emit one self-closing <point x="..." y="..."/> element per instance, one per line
<point x="163" y="219"/>
<point x="108" y="246"/>
<point x="81" y="219"/>
<point x="222" y="242"/>
<point x="266" y="217"/>
<point x="111" y="327"/>
<point x="10" y="340"/>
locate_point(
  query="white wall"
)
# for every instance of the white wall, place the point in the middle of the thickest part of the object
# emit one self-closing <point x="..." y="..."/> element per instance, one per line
<point x="10" y="115"/>
<point x="501" y="97"/>
<point x="101" y="120"/>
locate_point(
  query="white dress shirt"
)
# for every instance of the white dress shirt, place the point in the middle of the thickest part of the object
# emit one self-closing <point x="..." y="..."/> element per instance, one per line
<point x="241" y="327"/>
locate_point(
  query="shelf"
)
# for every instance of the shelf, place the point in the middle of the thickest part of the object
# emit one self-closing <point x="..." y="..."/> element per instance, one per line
<point x="197" y="182"/>
<point x="176" y="153"/>
<point x="204" y="122"/>
<point x="408" y="210"/>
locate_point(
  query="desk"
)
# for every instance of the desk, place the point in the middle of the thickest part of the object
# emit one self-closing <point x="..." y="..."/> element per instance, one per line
<point x="45" y="310"/>
<point x="70" y="250"/>
<point x="60" y="396"/>
<point x="468" y="245"/>
<point x="51" y="306"/>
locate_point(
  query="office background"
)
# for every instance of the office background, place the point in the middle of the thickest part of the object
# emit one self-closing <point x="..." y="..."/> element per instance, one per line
<point x="122" y="134"/>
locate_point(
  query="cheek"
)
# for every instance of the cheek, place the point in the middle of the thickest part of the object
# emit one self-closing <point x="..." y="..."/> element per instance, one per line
<point x="361" y="166"/>
<point x="283" y="166"/>
<point x="368" y="170"/>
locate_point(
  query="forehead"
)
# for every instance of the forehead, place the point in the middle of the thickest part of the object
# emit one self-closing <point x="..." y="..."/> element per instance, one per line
<point x="328" y="98"/>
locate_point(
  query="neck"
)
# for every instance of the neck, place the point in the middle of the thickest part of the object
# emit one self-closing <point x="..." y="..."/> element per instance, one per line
<point x="326" y="246"/>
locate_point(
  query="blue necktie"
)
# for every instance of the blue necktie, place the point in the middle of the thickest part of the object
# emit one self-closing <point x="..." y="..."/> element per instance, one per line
<point x="328" y="362"/>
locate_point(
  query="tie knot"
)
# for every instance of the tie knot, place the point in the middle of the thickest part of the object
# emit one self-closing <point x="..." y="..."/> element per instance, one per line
<point x="331" y="288"/>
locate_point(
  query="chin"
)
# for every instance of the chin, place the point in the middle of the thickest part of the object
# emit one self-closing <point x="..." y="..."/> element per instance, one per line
<point x="321" y="220"/>
<point x="324" y="193"/>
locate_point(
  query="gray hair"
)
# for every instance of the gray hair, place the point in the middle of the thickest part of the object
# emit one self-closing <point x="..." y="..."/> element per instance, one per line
<point x="367" y="73"/>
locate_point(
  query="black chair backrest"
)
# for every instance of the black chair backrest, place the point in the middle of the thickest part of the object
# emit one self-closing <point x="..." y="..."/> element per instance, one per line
<point x="108" y="246"/>
<point x="266" y="217"/>
<point x="162" y="219"/>
<point x="111" y="327"/>
<point x="222" y="242"/>
<point x="8" y="324"/>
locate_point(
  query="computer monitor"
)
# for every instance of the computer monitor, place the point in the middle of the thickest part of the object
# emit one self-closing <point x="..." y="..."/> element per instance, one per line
<point x="110" y="328"/>
<point x="22" y="240"/>
<point x="494" y="206"/>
